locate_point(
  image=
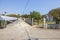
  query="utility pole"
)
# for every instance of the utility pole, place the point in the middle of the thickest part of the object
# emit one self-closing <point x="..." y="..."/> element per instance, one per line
<point x="4" y="19"/>
<point x="5" y="13"/>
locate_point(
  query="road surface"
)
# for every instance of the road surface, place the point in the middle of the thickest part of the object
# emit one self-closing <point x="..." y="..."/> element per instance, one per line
<point x="20" y="30"/>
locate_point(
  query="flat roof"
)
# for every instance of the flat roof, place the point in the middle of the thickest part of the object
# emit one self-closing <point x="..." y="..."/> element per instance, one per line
<point x="7" y="18"/>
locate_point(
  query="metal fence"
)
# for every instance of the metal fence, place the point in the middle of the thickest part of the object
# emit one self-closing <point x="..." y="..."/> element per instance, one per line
<point x="50" y="26"/>
<point x="53" y="26"/>
<point x="29" y="21"/>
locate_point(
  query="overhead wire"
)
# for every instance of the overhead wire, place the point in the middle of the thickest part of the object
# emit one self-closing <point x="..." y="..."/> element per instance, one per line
<point x="26" y="6"/>
<point x="23" y="13"/>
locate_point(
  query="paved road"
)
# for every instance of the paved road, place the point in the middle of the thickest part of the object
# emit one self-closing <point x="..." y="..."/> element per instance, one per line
<point x="14" y="31"/>
<point x="20" y="30"/>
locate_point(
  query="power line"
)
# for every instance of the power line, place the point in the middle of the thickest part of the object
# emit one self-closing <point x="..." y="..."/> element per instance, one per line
<point x="26" y="5"/>
<point x="23" y="12"/>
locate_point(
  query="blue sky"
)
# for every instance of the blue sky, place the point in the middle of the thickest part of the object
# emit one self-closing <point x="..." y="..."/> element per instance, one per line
<point x="17" y="6"/>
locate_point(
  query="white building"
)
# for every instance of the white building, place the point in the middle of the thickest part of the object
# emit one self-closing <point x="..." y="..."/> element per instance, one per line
<point x="4" y="19"/>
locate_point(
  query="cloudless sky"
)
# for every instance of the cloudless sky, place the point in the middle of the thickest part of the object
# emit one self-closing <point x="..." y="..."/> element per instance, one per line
<point x="17" y="6"/>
